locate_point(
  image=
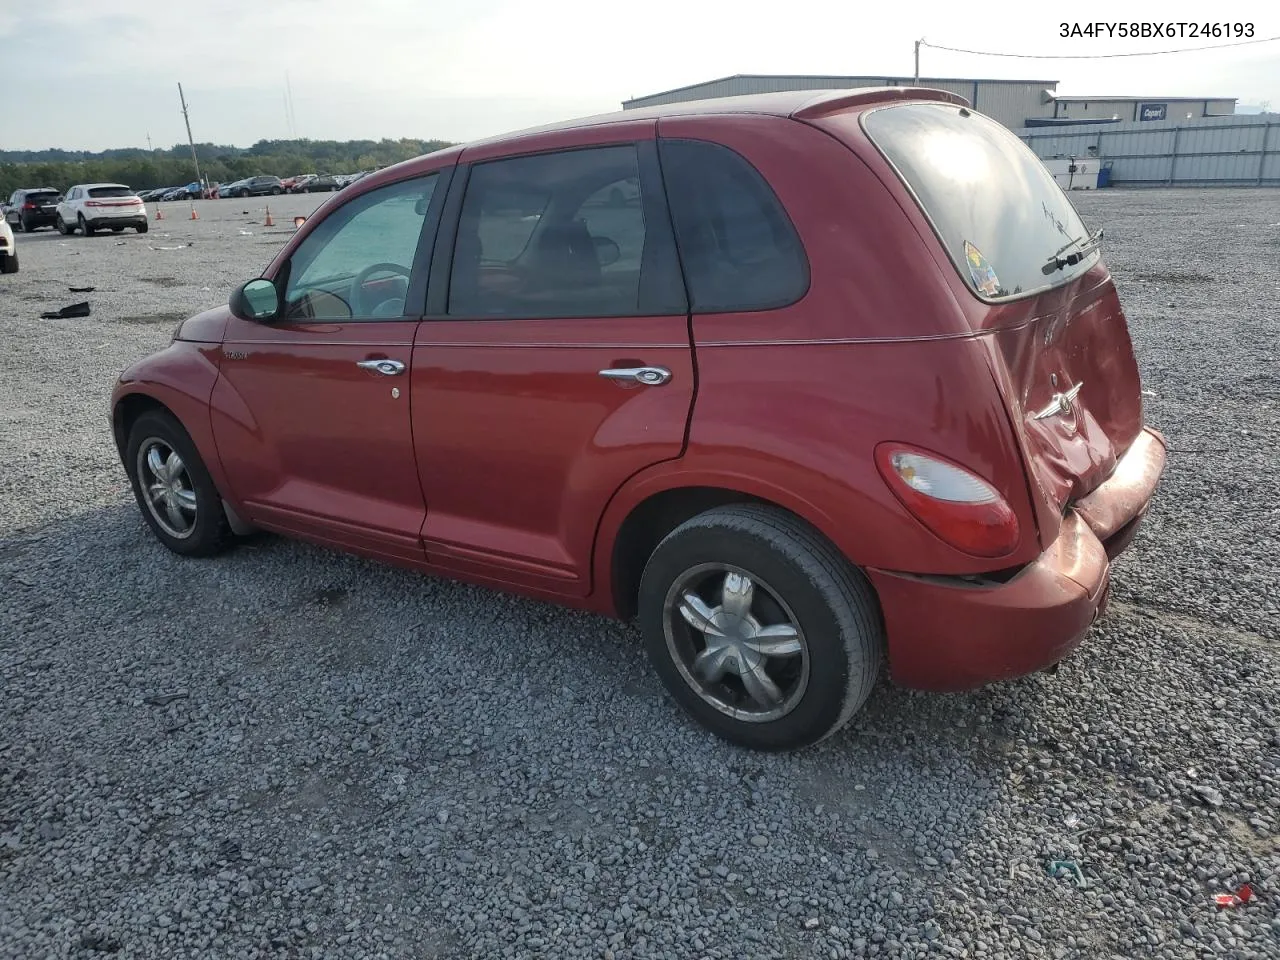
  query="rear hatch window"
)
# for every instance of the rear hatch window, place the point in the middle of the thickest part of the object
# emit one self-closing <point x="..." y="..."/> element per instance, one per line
<point x="101" y="193"/>
<point x="42" y="198"/>
<point x="1005" y="223"/>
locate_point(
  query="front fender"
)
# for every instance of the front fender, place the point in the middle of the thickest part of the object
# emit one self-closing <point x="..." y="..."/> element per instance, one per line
<point x="179" y="378"/>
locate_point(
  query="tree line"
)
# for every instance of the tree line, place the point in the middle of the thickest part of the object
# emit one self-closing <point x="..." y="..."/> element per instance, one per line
<point x="219" y="163"/>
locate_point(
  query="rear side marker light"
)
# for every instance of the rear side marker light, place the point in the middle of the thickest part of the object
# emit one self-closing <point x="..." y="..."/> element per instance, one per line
<point x="958" y="506"/>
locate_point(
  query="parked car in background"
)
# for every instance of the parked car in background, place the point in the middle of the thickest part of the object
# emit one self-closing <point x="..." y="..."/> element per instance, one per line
<point x="299" y="183"/>
<point x="8" y="249"/>
<point x="323" y="183"/>
<point x="91" y="206"/>
<point x="32" y="208"/>
<point x="255" y="187"/>
<point x="918" y="437"/>
<point x="177" y="193"/>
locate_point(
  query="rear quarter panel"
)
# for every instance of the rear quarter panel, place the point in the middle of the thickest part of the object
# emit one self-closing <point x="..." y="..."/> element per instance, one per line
<point x="796" y="399"/>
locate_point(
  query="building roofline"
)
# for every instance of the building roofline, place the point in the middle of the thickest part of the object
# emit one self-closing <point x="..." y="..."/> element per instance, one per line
<point x="1132" y="99"/>
<point x="923" y="81"/>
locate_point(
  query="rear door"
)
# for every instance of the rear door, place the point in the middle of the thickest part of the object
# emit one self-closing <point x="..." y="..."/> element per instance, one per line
<point x="1033" y="285"/>
<point x="555" y="359"/>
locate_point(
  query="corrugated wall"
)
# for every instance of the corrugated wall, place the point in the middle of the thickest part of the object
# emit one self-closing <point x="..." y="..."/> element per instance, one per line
<point x="1238" y="150"/>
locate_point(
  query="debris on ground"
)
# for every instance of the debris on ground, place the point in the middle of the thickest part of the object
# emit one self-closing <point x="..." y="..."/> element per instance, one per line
<point x="71" y="310"/>
<point x="1244" y="893"/>
<point x="164" y="699"/>
<point x="81" y="289"/>
<point x="1067" y="868"/>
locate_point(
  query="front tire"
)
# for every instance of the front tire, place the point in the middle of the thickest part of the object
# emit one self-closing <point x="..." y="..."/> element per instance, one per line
<point x="759" y="628"/>
<point x="62" y="226"/>
<point x="175" y="493"/>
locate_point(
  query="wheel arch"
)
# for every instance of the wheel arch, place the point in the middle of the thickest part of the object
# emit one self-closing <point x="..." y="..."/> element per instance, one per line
<point x="641" y="515"/>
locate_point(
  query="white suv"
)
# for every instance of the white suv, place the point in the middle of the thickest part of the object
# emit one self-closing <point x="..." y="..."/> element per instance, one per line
<point x="89" y="206"/>
<point x="8" y="252"/>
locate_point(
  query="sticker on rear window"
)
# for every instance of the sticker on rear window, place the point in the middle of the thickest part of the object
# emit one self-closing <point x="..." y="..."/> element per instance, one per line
<point x="983" y="274"/>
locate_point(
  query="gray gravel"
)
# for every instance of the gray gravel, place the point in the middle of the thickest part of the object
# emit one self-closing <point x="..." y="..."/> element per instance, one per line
<point x="288" y="752"/>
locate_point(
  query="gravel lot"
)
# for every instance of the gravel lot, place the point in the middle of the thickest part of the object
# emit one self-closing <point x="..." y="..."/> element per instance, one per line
<point x="289" y="752"/>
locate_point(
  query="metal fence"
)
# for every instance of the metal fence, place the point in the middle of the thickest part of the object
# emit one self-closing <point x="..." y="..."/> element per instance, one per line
<point x="1241" y="151"/>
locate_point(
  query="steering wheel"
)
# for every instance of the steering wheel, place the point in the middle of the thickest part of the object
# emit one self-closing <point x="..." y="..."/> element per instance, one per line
<point x="358" y="306"/>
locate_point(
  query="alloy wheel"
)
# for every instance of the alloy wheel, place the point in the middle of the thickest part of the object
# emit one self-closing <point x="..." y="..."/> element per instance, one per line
<point x="167" y="488"/>
<point x="736" y="642"/>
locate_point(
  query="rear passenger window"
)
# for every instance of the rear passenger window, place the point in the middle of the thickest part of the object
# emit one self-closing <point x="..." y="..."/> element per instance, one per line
<point x="739" y="249"/>
<point x="560" y="235"/>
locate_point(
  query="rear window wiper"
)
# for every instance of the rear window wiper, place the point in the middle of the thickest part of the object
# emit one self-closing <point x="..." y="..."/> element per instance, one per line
<point x="1086" y="246"/>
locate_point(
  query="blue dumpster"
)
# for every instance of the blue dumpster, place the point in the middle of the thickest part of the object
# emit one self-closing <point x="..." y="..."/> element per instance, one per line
<point x="1104" y="175"/>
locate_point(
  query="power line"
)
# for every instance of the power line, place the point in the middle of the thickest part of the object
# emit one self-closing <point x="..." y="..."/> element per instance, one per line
<point x="1095" y="56"/>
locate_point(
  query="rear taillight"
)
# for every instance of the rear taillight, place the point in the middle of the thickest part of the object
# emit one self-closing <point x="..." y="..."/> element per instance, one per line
<point x="28" y="205"/>
<point x="94" y="203"/>
<point x="958" y="506"/>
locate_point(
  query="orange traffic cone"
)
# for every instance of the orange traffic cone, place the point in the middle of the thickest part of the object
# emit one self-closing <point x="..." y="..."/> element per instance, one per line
<point x="270" y="222"/>
<point x="194" y="215"/>
<point x="159" y="214"/>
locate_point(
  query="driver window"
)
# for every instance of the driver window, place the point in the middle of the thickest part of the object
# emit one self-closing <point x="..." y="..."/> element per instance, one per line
<point x="355" y="265"/>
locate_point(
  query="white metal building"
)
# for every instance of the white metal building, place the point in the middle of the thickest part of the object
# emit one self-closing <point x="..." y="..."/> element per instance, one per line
<point x="1007" y="101"/>
<point x="1014" y="103"/>
<point x="1141" y="108"/>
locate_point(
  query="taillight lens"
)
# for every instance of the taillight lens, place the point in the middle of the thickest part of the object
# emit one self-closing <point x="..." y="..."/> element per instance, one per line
<point x="29" y="205"/>
<point x="958" y="506"/>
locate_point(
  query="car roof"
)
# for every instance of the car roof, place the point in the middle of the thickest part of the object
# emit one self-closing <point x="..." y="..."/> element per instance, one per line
<point x="797" y="104"/>
<point x="793" y="104"/>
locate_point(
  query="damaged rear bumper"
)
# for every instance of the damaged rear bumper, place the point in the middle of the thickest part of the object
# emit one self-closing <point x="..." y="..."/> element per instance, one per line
<point x="946" y="633"/>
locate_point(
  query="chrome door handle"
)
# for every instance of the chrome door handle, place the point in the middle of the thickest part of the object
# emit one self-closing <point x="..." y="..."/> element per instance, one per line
<point x="650" y="376"/>
<point x="386" y="367"/>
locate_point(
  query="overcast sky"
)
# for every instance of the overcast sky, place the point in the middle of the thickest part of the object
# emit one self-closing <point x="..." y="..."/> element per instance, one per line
<point x="91" y="74"/>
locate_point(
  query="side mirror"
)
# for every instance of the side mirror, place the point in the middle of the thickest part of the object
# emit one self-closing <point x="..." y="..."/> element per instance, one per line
<point x="256" y="300"/>
<point x="607" y="252"/>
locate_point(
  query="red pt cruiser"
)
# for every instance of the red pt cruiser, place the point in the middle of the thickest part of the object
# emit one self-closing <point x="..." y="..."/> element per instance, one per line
<point x="807" y="383"/>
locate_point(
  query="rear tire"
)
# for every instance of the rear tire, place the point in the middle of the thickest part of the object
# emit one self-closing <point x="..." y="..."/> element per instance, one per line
<point x="83" y="224"/>
<point x="801" y="627"/>
<point x="142" y="227"/>
<point x="9" y="263"/>
<point x="276" y="191"/>
<point x="197" y="526"/>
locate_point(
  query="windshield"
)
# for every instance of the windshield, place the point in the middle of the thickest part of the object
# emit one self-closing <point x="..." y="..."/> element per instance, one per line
<point x="994" y="205"/>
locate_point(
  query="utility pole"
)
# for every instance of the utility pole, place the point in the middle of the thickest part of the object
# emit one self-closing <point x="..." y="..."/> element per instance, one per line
<point x="917" y="79"/>
<point x="190" y="140"/>
<point x="149" y="150"/>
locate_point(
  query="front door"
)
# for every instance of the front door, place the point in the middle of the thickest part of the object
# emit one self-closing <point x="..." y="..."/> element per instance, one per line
<point x="559" y="366"/>
<point x="311" y="411"/>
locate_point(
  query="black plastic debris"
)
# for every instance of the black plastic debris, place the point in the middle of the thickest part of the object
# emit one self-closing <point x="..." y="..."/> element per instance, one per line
<point x="73" y="310"/>
<point x="81" y="289"/>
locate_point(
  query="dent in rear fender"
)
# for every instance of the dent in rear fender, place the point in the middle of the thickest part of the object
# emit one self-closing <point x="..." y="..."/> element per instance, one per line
<point x="181" y="378"/>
